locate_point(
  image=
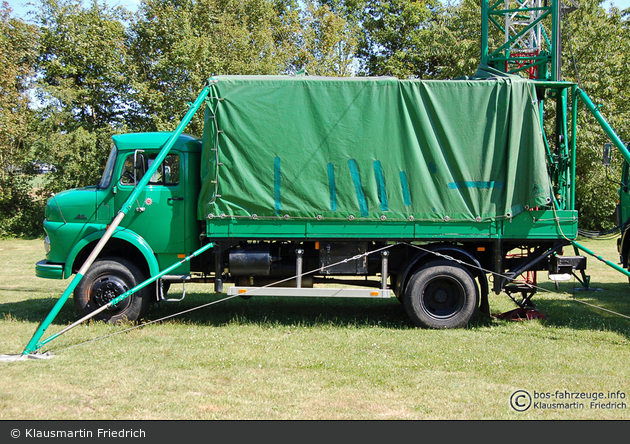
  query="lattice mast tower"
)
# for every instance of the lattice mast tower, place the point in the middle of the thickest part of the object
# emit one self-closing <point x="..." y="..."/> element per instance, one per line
<point x="531" y="43"/>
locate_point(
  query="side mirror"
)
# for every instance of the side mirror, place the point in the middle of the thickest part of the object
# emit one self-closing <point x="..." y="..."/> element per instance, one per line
<point x="138" y="166"/>
<point x="607" y="154"/>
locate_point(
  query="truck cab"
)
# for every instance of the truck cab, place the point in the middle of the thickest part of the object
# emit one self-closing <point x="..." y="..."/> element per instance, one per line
<point x="162" y="226"/>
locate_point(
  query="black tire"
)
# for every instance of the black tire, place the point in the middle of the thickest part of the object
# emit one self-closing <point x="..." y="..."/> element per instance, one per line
<point x="105" y="280"/>
<point x="441" y="294"/>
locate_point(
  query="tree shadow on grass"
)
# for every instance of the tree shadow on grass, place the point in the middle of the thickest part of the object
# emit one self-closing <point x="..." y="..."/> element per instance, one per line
<point x="286" y="311"/>
<point x="271" y="312"/>
<point x="216" y="310"/>
<point x="230" y="310"/>
<point x="36" y="310"/>
<point x="561" y="310"/>
<point x="290" y="311"/>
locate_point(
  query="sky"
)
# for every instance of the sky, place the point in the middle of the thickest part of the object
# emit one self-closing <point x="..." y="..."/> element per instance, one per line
<point x="21" y="7"/>
<point x="621" y="4"/>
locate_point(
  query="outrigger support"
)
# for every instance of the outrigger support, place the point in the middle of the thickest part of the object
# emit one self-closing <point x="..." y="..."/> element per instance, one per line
<point x="34" y="343"/>
<point x="33" y="346"/>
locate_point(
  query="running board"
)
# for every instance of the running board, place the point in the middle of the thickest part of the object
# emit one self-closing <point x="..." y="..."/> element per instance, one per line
<point x="310" y="292"/>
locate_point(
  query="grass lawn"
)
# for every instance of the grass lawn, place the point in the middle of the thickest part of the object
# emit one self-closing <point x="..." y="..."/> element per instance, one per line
<point x="281" y="358"/>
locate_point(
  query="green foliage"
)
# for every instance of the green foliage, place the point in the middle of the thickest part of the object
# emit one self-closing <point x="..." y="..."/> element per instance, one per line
<point x="21" y="207"/>
<point x="458" y="39"/>
<point x="101" y="70"/>
<point x="82" y="64"/>
<point x="177" y="46"/>
<point x="17" y="54"/>
<point x="79" y="157"/>
<point x="21" y="211"/>
<point x="416" y="39"/>
<point x="595" y="47"/>
<point x="397" y="38"/>
<point x="83" y="88"/>
<point x="328" y="42"/>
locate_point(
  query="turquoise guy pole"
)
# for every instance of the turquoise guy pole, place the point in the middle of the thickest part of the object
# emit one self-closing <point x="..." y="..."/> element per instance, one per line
<point x="604" y="124"/>
<point x="610" y="264"/>
<point x="33" y="344"/>
<point x="127" y="294"/>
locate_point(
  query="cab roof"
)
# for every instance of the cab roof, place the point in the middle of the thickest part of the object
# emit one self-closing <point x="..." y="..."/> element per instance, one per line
<point x="155" y="140"/>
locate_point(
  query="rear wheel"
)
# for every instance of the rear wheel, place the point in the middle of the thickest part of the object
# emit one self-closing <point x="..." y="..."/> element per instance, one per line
<point x="441" y="294"/>
<point x="104" y="281"/>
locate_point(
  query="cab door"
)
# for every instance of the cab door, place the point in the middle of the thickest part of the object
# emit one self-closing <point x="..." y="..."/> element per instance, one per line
<point x="158" y="215"/>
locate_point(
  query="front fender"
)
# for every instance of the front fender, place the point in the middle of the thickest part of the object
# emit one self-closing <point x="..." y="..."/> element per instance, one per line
<point x="123" y="234"/>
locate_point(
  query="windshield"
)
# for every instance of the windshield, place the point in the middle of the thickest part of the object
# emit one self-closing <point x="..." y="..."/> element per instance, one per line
<point x="109" y="169"/>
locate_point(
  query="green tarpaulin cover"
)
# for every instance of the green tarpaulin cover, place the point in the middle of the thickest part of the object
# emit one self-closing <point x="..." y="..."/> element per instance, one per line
<point x="364" y="148"/>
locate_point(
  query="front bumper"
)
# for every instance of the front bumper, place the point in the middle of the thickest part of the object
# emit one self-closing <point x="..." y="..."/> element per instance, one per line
<point x="48" y="270"/>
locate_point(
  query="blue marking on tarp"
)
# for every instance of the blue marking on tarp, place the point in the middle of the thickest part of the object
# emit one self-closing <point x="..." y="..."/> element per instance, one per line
<point x="332" y="187"/>
<point x="358" y="186"/>
<point x="405" y="188"/>
<point x="276" y="185"/>
<point x="380" y="185"/>
<point x="474" y="184"/>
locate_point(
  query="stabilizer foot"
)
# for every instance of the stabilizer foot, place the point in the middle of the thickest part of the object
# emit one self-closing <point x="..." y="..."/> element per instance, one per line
<point x="11" y="358"/>
<point x="521" y="314"/>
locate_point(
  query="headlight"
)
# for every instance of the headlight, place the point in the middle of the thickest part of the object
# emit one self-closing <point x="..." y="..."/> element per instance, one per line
<point x="47" y="245"/>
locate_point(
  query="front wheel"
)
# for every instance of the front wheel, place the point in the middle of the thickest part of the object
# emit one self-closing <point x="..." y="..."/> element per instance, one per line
<point x="104" y="281"/>
<point x="441" y="294"/>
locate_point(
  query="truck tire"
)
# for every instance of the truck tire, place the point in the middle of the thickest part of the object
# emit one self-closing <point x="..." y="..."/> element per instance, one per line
<point x="441" y="294"/>
<point x="105" y="280"/>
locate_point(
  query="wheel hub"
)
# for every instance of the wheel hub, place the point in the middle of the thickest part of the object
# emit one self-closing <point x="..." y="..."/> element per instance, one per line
<point x="440" y="296"/>
<point x="444" y="297"/>
<point x="106" y="290"/>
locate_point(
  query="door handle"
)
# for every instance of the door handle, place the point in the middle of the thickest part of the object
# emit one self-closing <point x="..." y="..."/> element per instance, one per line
<point x="170" y="199"/>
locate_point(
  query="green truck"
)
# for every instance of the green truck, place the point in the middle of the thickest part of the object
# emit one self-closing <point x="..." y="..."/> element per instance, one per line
<point x="421" y="189"/>
<point x="433" y="192"/>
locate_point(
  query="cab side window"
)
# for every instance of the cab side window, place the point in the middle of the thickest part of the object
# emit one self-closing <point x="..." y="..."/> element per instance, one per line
<point x="128" y="177"/>
<point x="167" y="173"/>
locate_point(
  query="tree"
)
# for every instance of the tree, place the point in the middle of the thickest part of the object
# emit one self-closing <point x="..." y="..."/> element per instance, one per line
<point x="458" y="38"/>
<point x="397" y="38"/>
<point x="17" y="55"/>
<point x="20" y="207"/>
<point x="427" y="39"/>
<point x="100" y="70"/>
<point x="83" y="88"/>
<point x="178" y="45"/>
<point x="595" y="44"/>
<point x="329" y="41"/>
